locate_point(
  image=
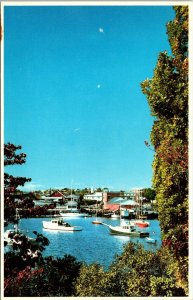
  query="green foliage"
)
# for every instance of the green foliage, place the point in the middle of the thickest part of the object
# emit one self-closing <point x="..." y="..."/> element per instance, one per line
<point x="167" y="95"/>
<point x="149" y="194"/>
<point x="92" y="281"/>
<point x="134" y="273"/>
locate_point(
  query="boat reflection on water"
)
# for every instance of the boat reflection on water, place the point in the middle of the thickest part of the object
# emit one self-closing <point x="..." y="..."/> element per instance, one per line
<point x="123" y="238"/>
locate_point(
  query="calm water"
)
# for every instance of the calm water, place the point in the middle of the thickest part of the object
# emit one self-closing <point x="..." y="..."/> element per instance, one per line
<point x="93" y="244"/>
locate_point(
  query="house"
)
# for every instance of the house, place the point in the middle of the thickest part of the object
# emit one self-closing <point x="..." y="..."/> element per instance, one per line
<point x="72" y="198"/>
<point x="97" y="196"/>
<point x="72" y="201"/>
<point x="58" y="195"/>
<point x="55" y="197"/>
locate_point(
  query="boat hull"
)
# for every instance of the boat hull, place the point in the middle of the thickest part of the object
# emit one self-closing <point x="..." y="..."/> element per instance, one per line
<point x="73" y="215"/>
<point x="151" y="240"/>
<point x="121" y="231"/>
<point x="97" y="222"/>
<point x="142" y="225"/>
<point x="48" y="225"/>
<point x="114" y="217"/>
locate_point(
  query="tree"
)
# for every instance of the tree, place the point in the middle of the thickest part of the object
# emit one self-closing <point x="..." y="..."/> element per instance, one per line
<point x="55" y="278"/>
<point x="25" y="252"/>
<point x="11" y="183"/>
<point x="134" y="273"/>
<point x="26" y="271"/>
<point x="167" y="95"/>
<point x="149" y="194"/>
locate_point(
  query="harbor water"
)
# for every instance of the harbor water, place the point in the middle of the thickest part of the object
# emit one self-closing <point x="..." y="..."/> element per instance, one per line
<point x="94" y="244"/>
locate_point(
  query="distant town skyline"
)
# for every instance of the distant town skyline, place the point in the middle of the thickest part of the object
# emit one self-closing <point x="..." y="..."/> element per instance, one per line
<point x="72" y="95"/>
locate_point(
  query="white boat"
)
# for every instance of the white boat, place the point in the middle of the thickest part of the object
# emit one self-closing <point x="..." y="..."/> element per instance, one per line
<point x="60" y="224"/>
<point x="123" y="228"/>
<point x="115" y="216"/>
<point x="126" y="229"/>
<point x="73" y="213"/>
<point x="151" y="240"/>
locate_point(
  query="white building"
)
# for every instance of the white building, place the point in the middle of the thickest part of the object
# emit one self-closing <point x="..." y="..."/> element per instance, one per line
<point x="97" y="196"/>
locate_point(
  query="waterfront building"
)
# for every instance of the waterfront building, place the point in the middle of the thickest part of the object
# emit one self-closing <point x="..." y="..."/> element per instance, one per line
<point x="126" y="204"/>
<point x="72" y="198"/>
<point x="97" y="196"/>
<point x="107" y="196"/>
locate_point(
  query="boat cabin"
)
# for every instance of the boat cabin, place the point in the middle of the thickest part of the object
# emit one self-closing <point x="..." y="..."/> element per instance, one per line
<point x="127" y="226"/>
<point x="60" y="222"/>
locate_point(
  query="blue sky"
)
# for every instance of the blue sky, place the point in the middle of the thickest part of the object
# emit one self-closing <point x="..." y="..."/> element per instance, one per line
<point x="72" y="92"/>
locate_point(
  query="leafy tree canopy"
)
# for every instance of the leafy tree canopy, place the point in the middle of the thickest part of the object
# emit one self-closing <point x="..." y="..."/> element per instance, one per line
<point x="167" y="95"/>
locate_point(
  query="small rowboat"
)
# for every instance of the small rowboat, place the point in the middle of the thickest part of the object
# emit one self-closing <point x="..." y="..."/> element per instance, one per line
<point x="151" y="240"/>
<point x="97" y="222"/>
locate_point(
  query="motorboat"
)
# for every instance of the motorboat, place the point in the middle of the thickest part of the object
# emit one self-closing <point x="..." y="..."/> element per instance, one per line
<point x="150" y="240"/>
<point x="126" y="229"/>
<point x="140" y="223"/>
<point x="73" y="213"/>
<point x="115" y="216"/>
<point x="60" y="224"/>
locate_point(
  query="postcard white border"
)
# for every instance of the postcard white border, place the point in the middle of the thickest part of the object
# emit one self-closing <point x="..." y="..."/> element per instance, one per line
<point x="107" y="3"/>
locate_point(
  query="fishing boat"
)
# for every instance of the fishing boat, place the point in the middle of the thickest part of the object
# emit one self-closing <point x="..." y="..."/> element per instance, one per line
<point x="60" y="224"/>
<point x="126" y="229"/>
<point x="150" y="240"/>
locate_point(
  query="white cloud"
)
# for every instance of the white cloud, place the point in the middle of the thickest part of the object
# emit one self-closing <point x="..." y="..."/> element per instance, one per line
<point x="58" y="187"/>
<point x="76" y="129"/>
<point x="101" y="30"/>
<point x="98" y="86"/>
<point x="30" y="187"/>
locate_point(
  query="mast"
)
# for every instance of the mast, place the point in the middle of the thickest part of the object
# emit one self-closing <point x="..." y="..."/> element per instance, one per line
<point x="17" y="217"/>
<point x="120" y="210"/>
<point x="71" y="194"/>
